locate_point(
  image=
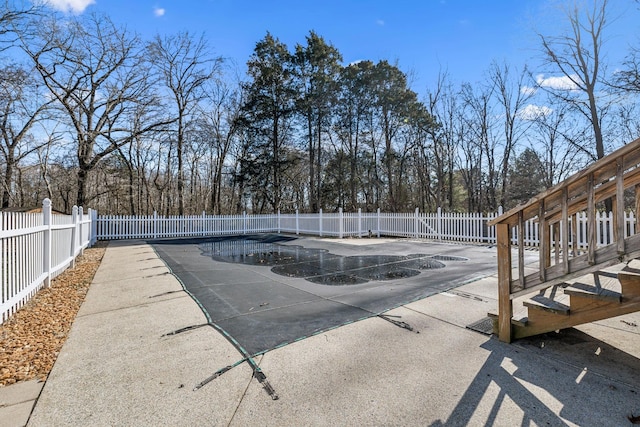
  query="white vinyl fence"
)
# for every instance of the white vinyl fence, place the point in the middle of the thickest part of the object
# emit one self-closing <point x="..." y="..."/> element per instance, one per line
<point x="36" y="247"/>
<point x="440" y="226"/>
<point x="437" y="226"/>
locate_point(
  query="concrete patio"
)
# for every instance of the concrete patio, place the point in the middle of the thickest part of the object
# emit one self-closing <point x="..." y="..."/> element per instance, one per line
<point x="119" y="366"/>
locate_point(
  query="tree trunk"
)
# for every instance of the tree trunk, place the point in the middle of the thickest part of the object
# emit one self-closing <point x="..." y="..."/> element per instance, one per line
<point x="313" y="199"/>
<point x="180" y="182"/>
<point x="276" y="165"/>
<point x="8" y="176"/>
<point x="318" y="164"/>
<point x="82" y="186"/>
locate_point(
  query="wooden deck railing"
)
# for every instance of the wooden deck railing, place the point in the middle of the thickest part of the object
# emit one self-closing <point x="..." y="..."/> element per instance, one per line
<point x="608" y="178"/>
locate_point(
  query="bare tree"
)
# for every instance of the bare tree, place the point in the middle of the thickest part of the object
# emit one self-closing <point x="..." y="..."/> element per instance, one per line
<point x="629" y="121"/>
<point x="44" y="155"/>
<point x="443" y="102"/>
<point x="628" y="78"/>
<point x="480" y="149"/>
<point x="185" y="65"/>
<point x="578" y="55"/>
<point x="13" y="14"/>
<point x="21" y="106"/>
<point x="555" y="140"/>
<point x="218" y="125"/>
<point x="512" y="100"/>
<point x="98" y="75"/>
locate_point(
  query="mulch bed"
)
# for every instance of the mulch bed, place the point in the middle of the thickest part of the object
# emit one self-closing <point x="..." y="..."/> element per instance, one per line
<point x="32" y="338"/>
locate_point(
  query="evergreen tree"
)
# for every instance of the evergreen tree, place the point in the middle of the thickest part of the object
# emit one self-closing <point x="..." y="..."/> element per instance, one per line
<point x="267" y="115"/>
<point x="317" y="70"/>
<point x="526" y="178"/>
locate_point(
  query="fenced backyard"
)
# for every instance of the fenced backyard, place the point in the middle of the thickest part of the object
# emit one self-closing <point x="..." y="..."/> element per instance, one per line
<point x="36" y="247"/>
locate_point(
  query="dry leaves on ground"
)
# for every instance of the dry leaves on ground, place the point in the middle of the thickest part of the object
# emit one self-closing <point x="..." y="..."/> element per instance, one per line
<point x="32" y="338"/>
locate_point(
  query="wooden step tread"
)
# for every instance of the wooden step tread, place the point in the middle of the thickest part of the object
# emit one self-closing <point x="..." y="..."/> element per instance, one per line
<point x="628" y="271"/>
<point x="517" y="320"/>
<point x="633" y="264"/>
<point x="577" y="318"/>
<point x="541" y="302"/>
<point x="630" y="283"/>
<point x="594" y="292"/>
<point x="605" y="281"/>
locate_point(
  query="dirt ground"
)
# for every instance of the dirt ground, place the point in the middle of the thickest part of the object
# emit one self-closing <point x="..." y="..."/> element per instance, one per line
<point x="31" y="339"/>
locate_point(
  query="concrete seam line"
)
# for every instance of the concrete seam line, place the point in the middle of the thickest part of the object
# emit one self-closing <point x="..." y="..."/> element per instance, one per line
<point x="244" y="394"/>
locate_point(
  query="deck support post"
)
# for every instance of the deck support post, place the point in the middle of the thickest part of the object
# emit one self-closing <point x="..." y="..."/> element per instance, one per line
<point x="505" y="307"/>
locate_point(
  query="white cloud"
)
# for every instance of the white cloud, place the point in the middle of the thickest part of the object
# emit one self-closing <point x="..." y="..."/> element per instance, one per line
<point x="532" y="112"/>
<point x="560" y="83"/>
<point x="75" y="6"/>
<point x="159" y="11"/>
<point x="380" y="22"/>
<point x="528" y="90"/>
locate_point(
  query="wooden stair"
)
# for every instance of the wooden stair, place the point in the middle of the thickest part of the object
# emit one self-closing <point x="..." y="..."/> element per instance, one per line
<point x="571" y="244"/>
<point x="606" y="293"/>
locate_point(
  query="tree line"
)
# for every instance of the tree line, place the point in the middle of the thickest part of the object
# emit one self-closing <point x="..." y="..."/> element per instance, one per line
<point x="93" y="115"/>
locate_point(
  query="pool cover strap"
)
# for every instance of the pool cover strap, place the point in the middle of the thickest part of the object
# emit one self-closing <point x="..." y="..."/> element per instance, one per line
<point x="185" y="329"/>
<point x="217" y="374"/>
<point x="257" y="374"/>
<point x="262" y="378"/>
<point x="399" y="323"/>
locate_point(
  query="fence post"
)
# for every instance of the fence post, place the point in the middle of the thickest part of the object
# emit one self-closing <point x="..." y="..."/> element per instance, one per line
<point x="155" y="224"/>
<point x="244" y="223"/>
<point x="90" y="228"/>
<point x="494" y="235"/>
<point x="378" y="225"/>
<point x="74" y="235"/>
<point x="439" y="223"/>
<point x="297" y="223"/>
<point x="279" y="221"/>
<point x="94" y="227"/>
<point x="341" y="223"/>
<point x="46" y="221"/>
<point x="80" y="225"/>
<point x="359" y="222"/>
<point x="320" y="222"/>
<point x="416" y="224"/>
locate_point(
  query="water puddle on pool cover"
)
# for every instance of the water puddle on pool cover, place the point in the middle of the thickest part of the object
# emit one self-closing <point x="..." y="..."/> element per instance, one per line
<point x="319" y="265"/>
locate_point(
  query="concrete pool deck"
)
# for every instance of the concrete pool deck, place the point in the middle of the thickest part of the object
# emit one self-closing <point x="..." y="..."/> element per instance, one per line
<point x="119" y="366"/>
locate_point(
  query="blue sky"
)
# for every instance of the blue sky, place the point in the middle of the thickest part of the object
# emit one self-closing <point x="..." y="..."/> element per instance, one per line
<point x="423" y="36"/>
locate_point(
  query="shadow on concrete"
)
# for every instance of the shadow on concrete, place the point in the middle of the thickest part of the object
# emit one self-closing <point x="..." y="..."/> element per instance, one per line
<point x="589" y="382"/>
